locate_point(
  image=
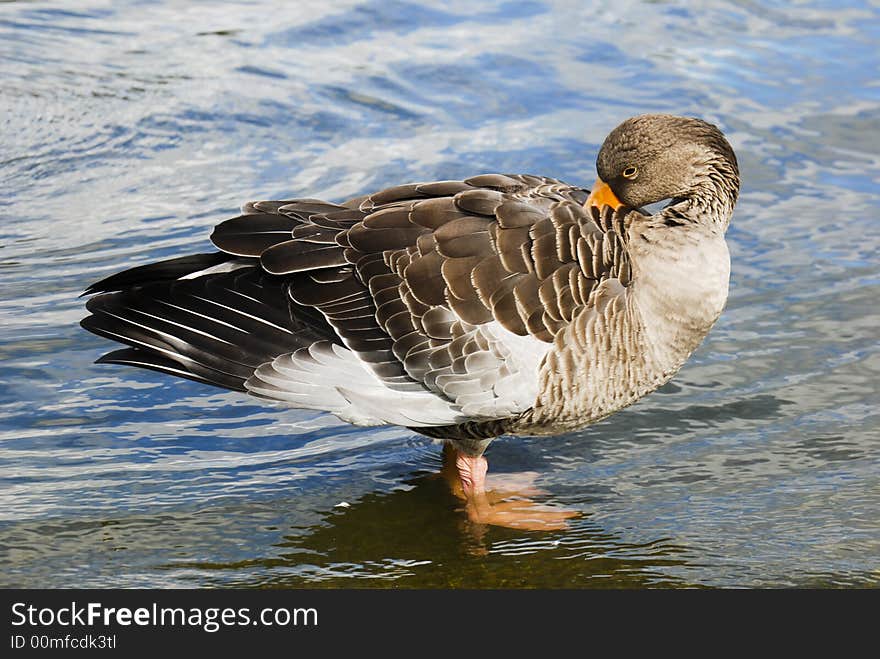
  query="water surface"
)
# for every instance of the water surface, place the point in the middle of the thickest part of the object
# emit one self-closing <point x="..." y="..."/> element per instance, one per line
<point x="130" y="128"/>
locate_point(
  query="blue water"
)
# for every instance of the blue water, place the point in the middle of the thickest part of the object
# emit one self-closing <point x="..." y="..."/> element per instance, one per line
<point x="130" y="128"/>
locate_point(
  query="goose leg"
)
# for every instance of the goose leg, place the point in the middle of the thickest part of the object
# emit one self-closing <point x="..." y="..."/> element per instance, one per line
<point x="472" y="472"/>
<point x="503" y="504"/>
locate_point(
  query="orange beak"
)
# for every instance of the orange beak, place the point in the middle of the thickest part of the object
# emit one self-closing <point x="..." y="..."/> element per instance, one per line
<point x="602" y="196"/>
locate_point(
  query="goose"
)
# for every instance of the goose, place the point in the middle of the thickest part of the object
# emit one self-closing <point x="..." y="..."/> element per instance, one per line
<point x="502" y="304"/>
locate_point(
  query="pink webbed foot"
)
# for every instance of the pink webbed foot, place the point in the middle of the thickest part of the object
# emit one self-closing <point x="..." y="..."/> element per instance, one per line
<point x="503" y="503"/>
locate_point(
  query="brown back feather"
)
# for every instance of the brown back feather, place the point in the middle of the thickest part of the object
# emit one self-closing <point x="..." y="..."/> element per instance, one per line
<point x="416" y="267"/>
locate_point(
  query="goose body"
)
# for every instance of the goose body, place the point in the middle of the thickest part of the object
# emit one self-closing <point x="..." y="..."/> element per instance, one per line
<point x="500" y="304"/>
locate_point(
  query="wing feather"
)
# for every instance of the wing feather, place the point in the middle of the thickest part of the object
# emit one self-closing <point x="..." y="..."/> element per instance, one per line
<point x="426" y="304"/>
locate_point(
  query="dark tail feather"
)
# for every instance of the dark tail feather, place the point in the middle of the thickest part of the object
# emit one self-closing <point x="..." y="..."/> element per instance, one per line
<point x="154" y="362"/>
<point x="154" y="272"/>
<point x="215" y="328"/>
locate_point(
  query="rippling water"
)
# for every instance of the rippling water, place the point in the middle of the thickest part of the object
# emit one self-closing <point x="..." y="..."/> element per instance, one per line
<point x="130" y="128"/>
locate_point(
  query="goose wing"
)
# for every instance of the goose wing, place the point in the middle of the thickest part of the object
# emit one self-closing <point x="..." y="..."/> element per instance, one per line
<point x="430" y="304"/>
<point x="450" y="293"/>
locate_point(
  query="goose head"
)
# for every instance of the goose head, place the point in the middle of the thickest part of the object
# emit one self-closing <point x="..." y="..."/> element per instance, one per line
<point x="655" y="157"/>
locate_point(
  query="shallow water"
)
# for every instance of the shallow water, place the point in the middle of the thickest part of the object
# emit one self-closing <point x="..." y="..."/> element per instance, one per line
<point x="130" y="128"/>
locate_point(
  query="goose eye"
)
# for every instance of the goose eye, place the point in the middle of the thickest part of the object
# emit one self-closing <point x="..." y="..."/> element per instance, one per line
<point x="630" y="172"/>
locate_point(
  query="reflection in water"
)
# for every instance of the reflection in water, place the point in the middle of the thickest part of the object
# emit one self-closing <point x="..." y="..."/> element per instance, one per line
<point x="436" y="545"/>
<point x="137" y="131"/>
